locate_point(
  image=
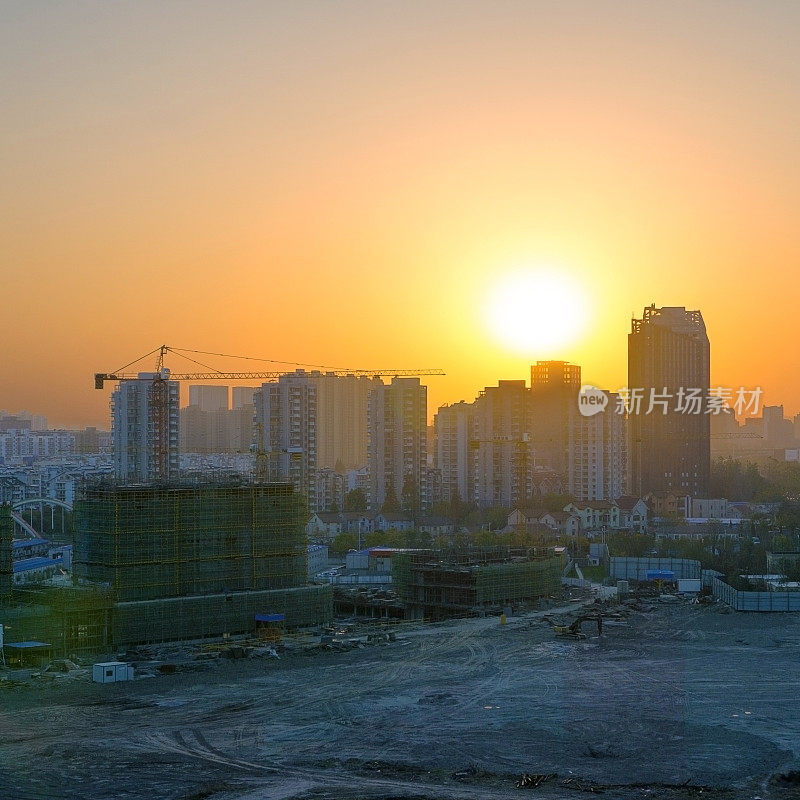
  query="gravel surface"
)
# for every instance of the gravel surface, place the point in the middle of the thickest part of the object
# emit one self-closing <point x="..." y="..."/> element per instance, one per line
<point x="682" y="701"/>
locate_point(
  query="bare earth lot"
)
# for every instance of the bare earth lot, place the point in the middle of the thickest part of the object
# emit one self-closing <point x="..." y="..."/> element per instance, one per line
<point x="680" y="702"/>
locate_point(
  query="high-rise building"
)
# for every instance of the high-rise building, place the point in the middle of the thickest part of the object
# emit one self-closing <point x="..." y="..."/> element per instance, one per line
<point x="668" y="355"/>
<point x="554" y="396"/>
<point x="242" y="396"/>
<point x="209" y="398"/>
<point x="145" y="428"/>
<point x="314" y="421"/>
<point x="778" y="431"/>
<point x="597" y="454"/>
<point x="286" y="432"/>
<point x="208" y="425"/>
<point x="342" y="407"/>
<point x="453" y="456"/>
<point x="397" y="460"/>
<point x="502" y="445"/>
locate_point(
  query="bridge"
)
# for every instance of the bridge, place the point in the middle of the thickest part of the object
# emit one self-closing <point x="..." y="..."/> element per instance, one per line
<point x="40" y="502"/>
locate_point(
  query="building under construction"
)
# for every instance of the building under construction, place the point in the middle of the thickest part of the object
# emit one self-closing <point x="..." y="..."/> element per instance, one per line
<point x="186" y="562"/>
<point x="438" y="585"/>
<point x="66" y="620"/>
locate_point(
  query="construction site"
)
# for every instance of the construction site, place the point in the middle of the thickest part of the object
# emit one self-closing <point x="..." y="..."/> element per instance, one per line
<point x="669" y="700"/>
<point x="437" y="586"/>
<point x="170" y="562"/>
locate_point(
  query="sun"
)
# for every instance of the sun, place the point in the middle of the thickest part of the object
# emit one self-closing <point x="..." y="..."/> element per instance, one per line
<point x="537" y="312"/>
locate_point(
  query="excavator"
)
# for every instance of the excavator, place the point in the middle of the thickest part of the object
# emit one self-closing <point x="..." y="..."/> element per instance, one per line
<point x="573" y="631"/>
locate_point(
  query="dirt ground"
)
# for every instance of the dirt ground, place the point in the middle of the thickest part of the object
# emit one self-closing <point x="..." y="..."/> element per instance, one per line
<point x="682" y="701"/>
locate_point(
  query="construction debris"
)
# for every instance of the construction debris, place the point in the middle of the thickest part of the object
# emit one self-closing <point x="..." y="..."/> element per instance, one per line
<point x="529" y="781"/>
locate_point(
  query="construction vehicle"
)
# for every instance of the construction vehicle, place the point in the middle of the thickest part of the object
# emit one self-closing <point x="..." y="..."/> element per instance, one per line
<point x="573" y="630"/>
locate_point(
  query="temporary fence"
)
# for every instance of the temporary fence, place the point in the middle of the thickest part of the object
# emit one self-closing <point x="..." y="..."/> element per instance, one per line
<point x="636" y="569"/>
<point x="174" y="618"/>
<point x="755" y="601"/>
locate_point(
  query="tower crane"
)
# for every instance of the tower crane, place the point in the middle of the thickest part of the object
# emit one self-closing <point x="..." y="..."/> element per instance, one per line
<point x="161" y="376"/>
<point x="212" y="374"/>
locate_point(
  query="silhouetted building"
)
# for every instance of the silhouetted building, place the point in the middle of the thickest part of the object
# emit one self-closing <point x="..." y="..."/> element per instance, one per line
<point x="453" y="456"/>
<point x="668" y="355"/>
<point x="209" y="398"/>
<point x="92" y="440"/>
<point x="242" y="396"/>
<point x="398" y="433"/>
<point x="598" y="457"/>
<point x="501" y="444"/>
<point x="554" y="393"/>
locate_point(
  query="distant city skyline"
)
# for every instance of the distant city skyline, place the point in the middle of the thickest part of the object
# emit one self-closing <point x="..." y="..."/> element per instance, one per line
<point x="343" y="184"/>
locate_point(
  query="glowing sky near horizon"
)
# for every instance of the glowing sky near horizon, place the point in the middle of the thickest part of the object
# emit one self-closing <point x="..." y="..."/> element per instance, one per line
<point x="347" y="183"/>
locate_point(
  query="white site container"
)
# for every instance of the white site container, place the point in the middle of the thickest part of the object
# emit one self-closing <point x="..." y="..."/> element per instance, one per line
<point x="689" y="585"/>
<point x="111" y="672"/>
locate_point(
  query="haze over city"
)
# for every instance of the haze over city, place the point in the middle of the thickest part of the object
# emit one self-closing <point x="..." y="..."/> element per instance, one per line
<point x="352" y="185"/>
<point x="399" y="399"/>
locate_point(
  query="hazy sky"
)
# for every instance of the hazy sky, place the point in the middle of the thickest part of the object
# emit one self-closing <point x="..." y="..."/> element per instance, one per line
<point x="343" y="183"/>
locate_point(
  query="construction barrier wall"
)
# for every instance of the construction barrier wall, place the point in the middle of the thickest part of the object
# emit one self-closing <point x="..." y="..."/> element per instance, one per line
<point x="6" y="557"/>
<point x="152" y="542"/>
<point x="754" y="601"/>
<point x="636" y="569"/>
<point x="149" y="621"/>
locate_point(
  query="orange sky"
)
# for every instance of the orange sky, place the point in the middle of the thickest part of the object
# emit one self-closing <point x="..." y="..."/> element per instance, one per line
<point x="343" y="183"/>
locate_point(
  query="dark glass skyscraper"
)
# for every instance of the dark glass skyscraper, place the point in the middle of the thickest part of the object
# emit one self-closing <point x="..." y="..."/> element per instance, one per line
<point x="554" y="392"/>
<point x="668" y="355"/>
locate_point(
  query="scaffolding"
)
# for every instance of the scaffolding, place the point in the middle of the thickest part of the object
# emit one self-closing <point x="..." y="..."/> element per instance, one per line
<point x="73" y="621"/>
<point x="452" y="584"/>
<point x="154" y="542"/>
<point x="6" y="557"/>
<point x="168" y="619"/>
<point x="188" y="562"/>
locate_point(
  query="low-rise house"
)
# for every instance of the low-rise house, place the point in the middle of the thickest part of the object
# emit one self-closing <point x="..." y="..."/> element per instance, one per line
<point x="324" y="525"/>
<point x="387" y="521"/>
<point x="701" y="508"/>
<point x="561" y="521"/>
<point x="632" y="513"/>
<point x="437" y="526"/>
<point x="595" y="514"/>
<point x="356" y="522"/>
<point x="524" y="519"/>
